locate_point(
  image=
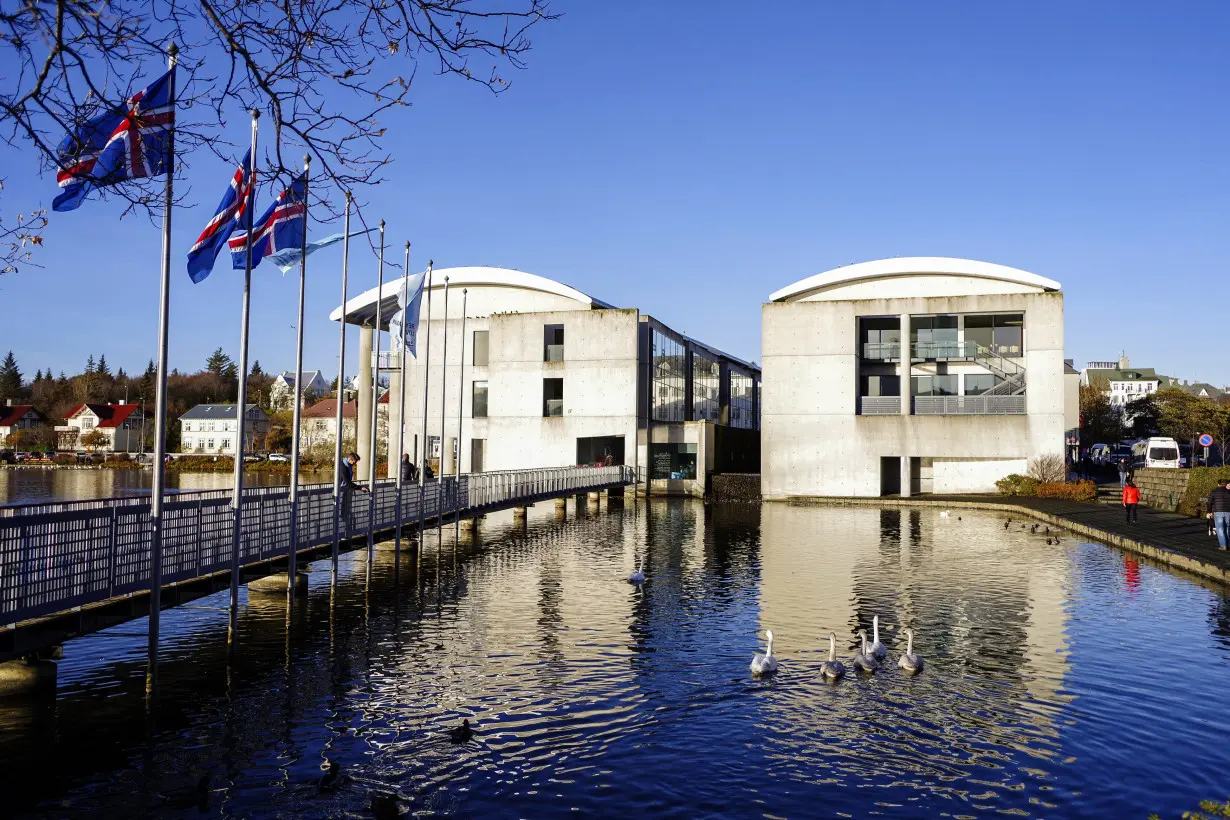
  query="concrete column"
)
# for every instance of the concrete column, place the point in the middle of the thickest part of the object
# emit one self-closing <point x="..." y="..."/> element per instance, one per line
<point x="520" y="514"/>
<point x="903" y="369"/>
<point x="276" y="584"/>
<point x="469" y="524"/>
<point x="561" y="507"/>
<point x="593" y="500"/>
<point x="905" y="477"/>
<point x="396" y="416"/>
<point x="366" y="340"/>
<point x="21" y="677"/>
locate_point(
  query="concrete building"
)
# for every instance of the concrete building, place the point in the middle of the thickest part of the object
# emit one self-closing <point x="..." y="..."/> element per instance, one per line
<point x="119" y="427"/>
<point x="554" y="377"/>
<point x="913" y="375"/>
<point x="1121" y="382"/>
<point x="212" y="429"/>
<point x="282" y="389"/>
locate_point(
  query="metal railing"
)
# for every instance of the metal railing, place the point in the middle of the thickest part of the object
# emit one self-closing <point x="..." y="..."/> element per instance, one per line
<point x="879" y="405"/>
<point x="54" y="557"/>
<point x="968" y="405"/>
<point x="882" y="351"/>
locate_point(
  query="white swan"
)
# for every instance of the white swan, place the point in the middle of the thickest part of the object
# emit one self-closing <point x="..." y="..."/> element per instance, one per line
<point x="765" y="664"/>
<point x="638" y="577"/>
<point x="911" y="663"/>
<point x="864" y="662"/>
<point x="877" y="649"/>
<point x="832" y="669"/>
<point x="944" y="514"/>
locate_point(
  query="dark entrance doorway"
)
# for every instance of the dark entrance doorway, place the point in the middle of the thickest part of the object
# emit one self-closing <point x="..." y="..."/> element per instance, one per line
<point x="595" y="449"/>
<point x="890" y="475"/>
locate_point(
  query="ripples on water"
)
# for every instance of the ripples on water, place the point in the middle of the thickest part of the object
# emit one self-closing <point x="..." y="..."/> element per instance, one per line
<point x="1060" y="681"/>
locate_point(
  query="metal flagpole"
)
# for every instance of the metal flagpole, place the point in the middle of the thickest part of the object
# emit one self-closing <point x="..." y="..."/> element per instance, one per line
<point x="443" y="391"/>
<point x="461" y="403"/>
<point x="296" y="418"/>
<point x="160" y="409"/>
<point x="241" y="403"/>
<point x="401" y="405"/>
<point x="371" y="484"/>
<point x="426" y="382"/>
<point x="339" y="429"/>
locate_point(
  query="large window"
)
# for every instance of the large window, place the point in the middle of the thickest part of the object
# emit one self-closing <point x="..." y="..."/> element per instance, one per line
<point x="553" y="343"/>
<point x="978" y="383"/>
<point x="880" y="386"/>
<point x="742" y="401"/>
<point x="933" y="385"/>
<point x="478" y="401"/>
<point x="706" y="380"/>
<point x="934" y="337"/>
<point x="668" y="378"/>
<point x="553" y="397"/>
<point x="480" y="348"/>
<point x="672" y="461"/>
<point x="1003" y="333"/>
<point x="880" y="338"/>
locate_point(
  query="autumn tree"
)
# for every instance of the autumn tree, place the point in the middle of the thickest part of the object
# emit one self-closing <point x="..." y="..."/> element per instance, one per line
<point x="1183" y="416"/>
<point x="1101" y="421"/>
<point x="94" y="440"/>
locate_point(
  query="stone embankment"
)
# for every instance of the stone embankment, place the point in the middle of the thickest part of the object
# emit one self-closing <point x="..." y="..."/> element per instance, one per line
<point x="735" y="487"/>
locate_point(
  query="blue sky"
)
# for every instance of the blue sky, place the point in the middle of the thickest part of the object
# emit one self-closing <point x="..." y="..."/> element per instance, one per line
<point x="691" y="158"/>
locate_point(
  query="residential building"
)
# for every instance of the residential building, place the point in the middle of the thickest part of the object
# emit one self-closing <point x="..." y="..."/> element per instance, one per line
<point x="1121" y="382"/>
<point x="554" y="377"/>
<point x="1202" y="389"/>
<point x="282" y="391"/>
<point x="212" y="429"/>
<point x="319" y="422"/>
<point x="912" y="375"/>
<point x="121" y="426"/>
<point x="16" y="418"/>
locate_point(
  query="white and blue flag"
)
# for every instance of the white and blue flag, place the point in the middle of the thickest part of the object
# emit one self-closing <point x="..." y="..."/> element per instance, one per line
<point x="405" y="323"/>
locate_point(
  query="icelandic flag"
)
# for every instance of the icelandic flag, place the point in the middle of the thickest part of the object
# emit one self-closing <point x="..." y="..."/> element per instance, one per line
<point x="129" y="142"/>
<point x="230" y="211"/>
<point x="405" y="323"/>
<point x="290" y="257"/>
<point x="281" y="227"/>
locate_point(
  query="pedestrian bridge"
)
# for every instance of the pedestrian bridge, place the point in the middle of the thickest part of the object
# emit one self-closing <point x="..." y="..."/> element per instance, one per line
<point x="72" y="568"/>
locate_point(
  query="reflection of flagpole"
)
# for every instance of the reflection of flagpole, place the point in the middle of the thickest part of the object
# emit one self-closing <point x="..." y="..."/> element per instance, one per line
<point x="401" y="402"/>
<point x="426" y="382"/>
<point x="461" y="403"/>
<point x="371" y="469"/>
<point x="443" y="392"/>
<point x="341" y="396"/>
<point x="296" y="418"/>
<point x="160" y="408"/>
<point x="241" y="404"/>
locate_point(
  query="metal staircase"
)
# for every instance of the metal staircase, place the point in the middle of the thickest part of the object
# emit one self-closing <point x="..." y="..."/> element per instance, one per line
<point x="1012" y="373"/>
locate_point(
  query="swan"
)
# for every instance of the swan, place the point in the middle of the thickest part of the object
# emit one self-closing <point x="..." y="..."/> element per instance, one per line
<point x="863" y="662"/>
<point x="638" y="577"/>
<point x="944" y="514"/>
<point x="832" y="669"/>
<point x="877" y="649"/>
<point x="911" y="663"/>
<point x="765" y="664"/>
<point x="462" y="733"/>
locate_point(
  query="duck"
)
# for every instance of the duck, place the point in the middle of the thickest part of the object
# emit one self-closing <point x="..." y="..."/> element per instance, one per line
<point x="864" y="662"/>
<point x="911" y="663"/>
<point x="1049" y="542"/>
<point x="332" y="778"/>
<point x="1008" y="523"/>
<point x="461" y="734"/>
<point x="832" y="669"/>
<point x="877" y="649"/>
<point x="197" y="797"/>
<point x="765" y="664"/>
<point x="638" y="576"/>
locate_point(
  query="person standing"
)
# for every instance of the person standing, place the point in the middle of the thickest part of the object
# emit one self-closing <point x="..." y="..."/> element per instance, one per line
<point x="409" y="474"/>
<point x="1131" y="498"/>
<point x="1125" y="470"/>
<point x="1219" y="511"/>
<point x="349" y="486"/>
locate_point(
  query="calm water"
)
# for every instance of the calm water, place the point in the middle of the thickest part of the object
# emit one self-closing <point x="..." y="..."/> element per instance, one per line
<point x="1061" y="681"/>
<point x="26" y="486"/>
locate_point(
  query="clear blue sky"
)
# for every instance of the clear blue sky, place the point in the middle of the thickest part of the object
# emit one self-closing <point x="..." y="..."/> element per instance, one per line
<point x="690" y="158"/>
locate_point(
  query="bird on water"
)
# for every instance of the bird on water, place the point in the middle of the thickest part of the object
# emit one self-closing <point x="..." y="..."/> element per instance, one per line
<point x="765" y="664"/>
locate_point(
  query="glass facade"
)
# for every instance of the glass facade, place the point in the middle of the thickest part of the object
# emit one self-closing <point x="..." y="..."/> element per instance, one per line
<point x="1003" y="333"/>
<point x="706" y="383"/>
<point x="742" y="401"/>
<point x="668" y="378"/>
<point x="481" y="340"/>
<point x="880" y="338"/>
<point x="933" y="385"/>
<point x="934" y="337"/>
<point x="979" y="383"/>
<point x="478" y="401"/>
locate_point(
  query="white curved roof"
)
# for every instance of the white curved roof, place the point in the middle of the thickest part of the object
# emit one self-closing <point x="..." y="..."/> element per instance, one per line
<point x="911" y="266"/>
<point x="362" y="308"/>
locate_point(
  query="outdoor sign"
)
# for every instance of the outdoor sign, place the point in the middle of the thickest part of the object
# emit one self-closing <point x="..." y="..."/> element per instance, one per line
<point x="1206" y="440"/>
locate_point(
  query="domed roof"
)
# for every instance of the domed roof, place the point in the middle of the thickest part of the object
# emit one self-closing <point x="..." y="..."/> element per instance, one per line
<point x="910" y="266"/>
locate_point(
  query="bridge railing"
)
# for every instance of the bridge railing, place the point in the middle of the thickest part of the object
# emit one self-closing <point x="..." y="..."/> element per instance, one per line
<point x="54" y="557"/>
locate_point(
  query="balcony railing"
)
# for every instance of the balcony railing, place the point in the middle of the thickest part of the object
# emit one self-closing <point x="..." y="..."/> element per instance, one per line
<point x="969" y="405"/>
<point x="961" y="351"/>
<point x="553" y="407"/>
<point x="882" y="351"/>
<point x="879" y="405"/>
<point x="553" y="353"/>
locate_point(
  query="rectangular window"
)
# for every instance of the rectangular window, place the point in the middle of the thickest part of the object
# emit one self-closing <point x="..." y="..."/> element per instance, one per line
<point x="209" y="445"/>
<point x="978" y="383"/>
<point x="742" y="403"/>
<point x="934" y="337"/>
<point x="478" y="452"/>
<point x="553" y="343"/>
<point x="87" y="423"/>
<point x="478" y="400"/>
<point x="880" y="338"/>
<point x="553" y="397"/>
<point x="705" y="386"/>
<point x="880" y="386"/>
<point x="1001" y="333"/>
<point x="933" y="385"/>
<point x="226" y="442"/>
<point x="668" y="378"/>
<point x="673" y="461"/>
<point x="480" y="348"/>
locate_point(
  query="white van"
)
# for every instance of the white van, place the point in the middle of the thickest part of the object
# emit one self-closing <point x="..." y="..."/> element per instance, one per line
<point x="1155" y="452"/>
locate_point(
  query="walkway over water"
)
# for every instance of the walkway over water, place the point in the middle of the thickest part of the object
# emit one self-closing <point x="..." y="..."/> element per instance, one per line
<point x="72" y="568"/>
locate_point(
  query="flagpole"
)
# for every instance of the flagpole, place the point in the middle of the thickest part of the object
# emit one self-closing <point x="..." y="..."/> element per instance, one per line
<point x="461" y="403"/>
<point x="160" y="408"/>
<point x="241" y="403"/>
<point x="443" y="392"/>
<point x="296" y="418"/>
<point x="371" y="485"/>
<point x="339" y="429"/>
<point x="401" y="405"/>
<point x="426" y="382"/>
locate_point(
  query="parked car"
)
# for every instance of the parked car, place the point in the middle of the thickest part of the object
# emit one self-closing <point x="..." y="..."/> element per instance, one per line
<point x="1099" y="453"/>
<point x="279" y="457"/>
<point x="251" y="459"/>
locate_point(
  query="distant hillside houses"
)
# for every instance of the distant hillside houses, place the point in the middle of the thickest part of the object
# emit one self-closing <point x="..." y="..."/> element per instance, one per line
<point x="1124" y="383"/>
<point x="211" y="428"/>
<point x="102" y="428"/>
<point x="282" y="391"/>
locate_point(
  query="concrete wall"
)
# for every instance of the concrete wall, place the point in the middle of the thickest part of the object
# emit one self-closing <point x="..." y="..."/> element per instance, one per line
<point x="813" y="443"/>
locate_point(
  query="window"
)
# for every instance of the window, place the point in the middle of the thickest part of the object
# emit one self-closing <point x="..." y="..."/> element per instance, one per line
<point x="480" y="348"/>
<point x="742" y="403"/>
<point x="226" y="444"/>
<point x="553" y="343"/>
<point x="87" y="422"/>
<point x="478" y="400"/>
<point x="880" y="386"/>
<point x="668" y="378"/>
<point x="934" y="337"/>
<point x="1002" y="333"/>
<point x="934" y="385"/>
<point x="553" y="397"/>
<point x="880" y="338"/>
<point x="209" y="445"/>
<point x="978" y="383"/>
<point x="673" y="461"/>
<point x="705" y="386"/>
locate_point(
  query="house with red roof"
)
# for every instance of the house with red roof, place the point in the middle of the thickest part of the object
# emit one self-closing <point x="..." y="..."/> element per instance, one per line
<point x="318" y="423"/>
<point x="19" y="418"/>
<point x="120" y="424"/>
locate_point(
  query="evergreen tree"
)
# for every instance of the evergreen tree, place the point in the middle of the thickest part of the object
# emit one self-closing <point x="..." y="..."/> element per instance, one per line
<point x="10" y="377"/>
<point x="120" y="375"/>
<point x="102" y="369"/>
<point x="147" y="380"/>
<point x="38" y="375"/>
<point x="231" y="372"/>
<point x="89" y="365"/>
<point x="256" y="373"/>
<point x="63" y="378"/>
<point x="218" y="363"/>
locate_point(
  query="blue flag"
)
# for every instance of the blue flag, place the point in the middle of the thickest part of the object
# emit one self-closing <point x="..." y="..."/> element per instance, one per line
<point x="230" y="212"/>
<point x="281" y="227"/>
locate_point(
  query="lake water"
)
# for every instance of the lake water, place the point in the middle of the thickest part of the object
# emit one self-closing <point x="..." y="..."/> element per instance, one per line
<point x="38" y="486"/>
<point x="1061" y="681"/>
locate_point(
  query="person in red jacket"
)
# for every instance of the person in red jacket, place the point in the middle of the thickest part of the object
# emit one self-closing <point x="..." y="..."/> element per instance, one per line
<point x="1131" y="497"/>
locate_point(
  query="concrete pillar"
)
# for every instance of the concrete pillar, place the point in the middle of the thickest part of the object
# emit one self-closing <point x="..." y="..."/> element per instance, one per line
<point x="561" y="507"/>
<point x="903" y="370"/>
<point x="396" y="416"/>
<point x="366" y="340"/>
<point x="593" y="500"/>
<point x="469" y="525"/>
<point x="520" y="514"/>
<point x="21" y="677"/>
<point x="615" y="495"/>
<point x="276" y="584"/>
<point x="905" y="477"/>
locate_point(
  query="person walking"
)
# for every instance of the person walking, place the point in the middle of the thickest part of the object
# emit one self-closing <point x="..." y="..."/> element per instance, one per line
<point x="349" y="485"/>
<point x="1131" y="498"/>
<point x="1125" y="471"/>
<point x="1219" y="511"/>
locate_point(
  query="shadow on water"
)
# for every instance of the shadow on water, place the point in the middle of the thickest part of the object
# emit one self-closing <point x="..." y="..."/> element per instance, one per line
<point x="589" y="694"/>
